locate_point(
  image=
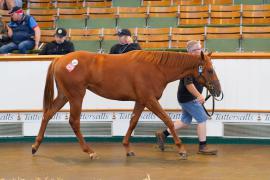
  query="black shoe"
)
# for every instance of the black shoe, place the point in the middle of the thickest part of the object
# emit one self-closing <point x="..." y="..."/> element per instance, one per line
<point x="205" y="151"/>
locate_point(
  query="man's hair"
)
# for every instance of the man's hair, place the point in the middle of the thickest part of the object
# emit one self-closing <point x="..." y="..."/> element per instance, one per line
<point x="191" y="45"/>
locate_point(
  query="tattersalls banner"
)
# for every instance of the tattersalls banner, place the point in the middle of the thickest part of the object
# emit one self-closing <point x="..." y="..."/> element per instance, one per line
<point x="126" y="115"/>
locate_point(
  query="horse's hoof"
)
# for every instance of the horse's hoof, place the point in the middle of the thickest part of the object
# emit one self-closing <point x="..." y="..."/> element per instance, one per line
<point x="34" y="150"/>
<point x="130" y="154"/>
<point x="183" y="156"/>
<point x="93" y="156"/>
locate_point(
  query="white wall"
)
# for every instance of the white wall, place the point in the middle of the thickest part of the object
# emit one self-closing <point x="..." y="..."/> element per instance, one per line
<point x="245" y="84"/>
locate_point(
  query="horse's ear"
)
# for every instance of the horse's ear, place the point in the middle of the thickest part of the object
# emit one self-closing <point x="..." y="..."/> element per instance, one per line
<point x="209" y="54"/>
<point x="202" y="55"/>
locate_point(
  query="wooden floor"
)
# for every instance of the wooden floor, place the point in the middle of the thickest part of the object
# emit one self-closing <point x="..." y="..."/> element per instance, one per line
<point x="66" y="161"/>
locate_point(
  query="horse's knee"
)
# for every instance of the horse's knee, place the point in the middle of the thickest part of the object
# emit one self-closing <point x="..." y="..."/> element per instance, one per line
<point x="74" y="126"/>
<point x="71" y="122"/>
<point x="46" y="118"/>
<point x="132" y="125"/>
<point x="47" y="115"/>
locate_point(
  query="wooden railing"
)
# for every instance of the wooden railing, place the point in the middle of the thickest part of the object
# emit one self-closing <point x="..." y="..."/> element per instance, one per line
<point x="33" y="57"/>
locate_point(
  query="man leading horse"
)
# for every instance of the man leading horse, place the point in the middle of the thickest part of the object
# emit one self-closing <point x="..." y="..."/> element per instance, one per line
<point x="190" y="98"/>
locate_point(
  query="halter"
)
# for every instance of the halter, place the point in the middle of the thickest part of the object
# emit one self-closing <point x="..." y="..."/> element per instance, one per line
<point x="210" y="86"/>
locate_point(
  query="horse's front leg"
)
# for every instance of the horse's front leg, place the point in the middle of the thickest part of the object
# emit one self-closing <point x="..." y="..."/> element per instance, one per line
<point x="137" y="111"/>
<point x="154" y="106"/>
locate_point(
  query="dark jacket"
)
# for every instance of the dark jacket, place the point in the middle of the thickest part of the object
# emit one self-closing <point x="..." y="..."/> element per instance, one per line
<point x="183" y="95"/>
<point x="22" y="30"/>
<point x="53" y="48"/>
<point x="123" y="48"/>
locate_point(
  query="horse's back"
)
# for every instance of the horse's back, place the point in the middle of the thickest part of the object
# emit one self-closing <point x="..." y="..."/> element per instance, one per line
<point x="85" y="63"/>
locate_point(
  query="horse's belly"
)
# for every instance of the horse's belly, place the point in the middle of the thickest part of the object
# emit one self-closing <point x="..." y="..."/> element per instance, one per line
<point x="115" y="92"/>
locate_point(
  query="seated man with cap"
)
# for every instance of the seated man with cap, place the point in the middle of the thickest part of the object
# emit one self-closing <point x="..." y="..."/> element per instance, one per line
<point x="23" y="31"/>
<point x="125" y="43"/>
<point x="60" y="45"/>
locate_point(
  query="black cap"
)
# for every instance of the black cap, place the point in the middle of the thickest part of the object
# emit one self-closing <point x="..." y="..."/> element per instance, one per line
<point x="60" y="32"/>
<point x="124" y="32"/>
<point x="14" y="9"/>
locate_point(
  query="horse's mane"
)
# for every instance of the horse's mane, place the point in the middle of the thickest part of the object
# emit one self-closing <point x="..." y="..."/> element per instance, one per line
<point x="165" y="58"/>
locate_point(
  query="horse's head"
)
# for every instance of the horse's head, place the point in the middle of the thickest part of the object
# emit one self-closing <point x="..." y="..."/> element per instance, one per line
<point x="206" y="75"/>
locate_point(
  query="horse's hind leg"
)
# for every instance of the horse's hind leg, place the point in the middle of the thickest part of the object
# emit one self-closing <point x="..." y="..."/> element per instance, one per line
<point x="58" y="103"/>
<point x="74" y="121"/>
<point x="154" y="106"/>
<point x="137" y="111"/>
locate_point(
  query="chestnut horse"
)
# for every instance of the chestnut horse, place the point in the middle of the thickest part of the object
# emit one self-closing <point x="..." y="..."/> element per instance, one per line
<point x="139" y="76"/>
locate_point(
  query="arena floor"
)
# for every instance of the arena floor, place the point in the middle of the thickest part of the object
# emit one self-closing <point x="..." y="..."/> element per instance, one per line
<point x="66" y="161"/>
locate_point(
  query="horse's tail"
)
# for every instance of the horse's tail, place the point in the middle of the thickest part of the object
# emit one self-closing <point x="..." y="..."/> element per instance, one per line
<point x="49" y="88"/>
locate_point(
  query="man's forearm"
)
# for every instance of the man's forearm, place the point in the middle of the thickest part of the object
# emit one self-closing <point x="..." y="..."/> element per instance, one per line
<point x="192" y="89"/>
<point x="37" y="36"/>
<point x="9" y="32"/>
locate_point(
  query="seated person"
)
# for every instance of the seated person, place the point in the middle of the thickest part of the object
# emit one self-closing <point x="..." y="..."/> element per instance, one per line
<point x="60" y="45"/>
<point x="125" y="43"/>
<point x="23" y="31"/>
<point x="4" y="39"/>
<point x="9" y="4"/>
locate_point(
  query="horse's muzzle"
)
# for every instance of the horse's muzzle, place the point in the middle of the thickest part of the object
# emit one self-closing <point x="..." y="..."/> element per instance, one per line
<point x="214" y="88"/>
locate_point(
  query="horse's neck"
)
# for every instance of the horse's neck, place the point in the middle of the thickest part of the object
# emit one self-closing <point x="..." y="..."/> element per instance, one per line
<point x="180" y="71"/>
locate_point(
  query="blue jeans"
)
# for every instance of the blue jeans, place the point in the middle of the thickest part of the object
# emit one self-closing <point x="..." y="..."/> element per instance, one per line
<point x="193" y="109"/>
<point x="22" y="47"/>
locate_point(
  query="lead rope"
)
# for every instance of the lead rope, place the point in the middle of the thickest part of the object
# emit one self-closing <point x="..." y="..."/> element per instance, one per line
<point x="208" y="95"/>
